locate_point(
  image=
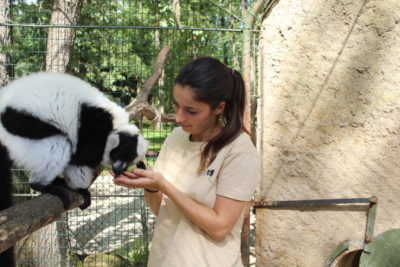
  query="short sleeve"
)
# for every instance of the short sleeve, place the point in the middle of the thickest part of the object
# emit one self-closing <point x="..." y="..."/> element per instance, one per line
<point x="239" y="175"/>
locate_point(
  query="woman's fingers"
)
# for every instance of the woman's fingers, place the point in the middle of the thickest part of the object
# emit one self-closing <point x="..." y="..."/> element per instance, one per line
<point x="139" y="178"/>
<point x="145" y="173"/>
<point x="130" y="175"/>
<point x="129" y="182"/>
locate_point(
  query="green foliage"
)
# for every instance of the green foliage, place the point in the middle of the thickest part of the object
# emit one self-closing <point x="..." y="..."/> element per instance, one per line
<point x="134" y="253"/>
<point x="156" y="138"/>
<point x="28" y="44"/>
<point x="116" y="49"/>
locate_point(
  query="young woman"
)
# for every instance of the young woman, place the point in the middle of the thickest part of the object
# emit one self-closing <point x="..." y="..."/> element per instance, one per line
<point x="205" y="173"/>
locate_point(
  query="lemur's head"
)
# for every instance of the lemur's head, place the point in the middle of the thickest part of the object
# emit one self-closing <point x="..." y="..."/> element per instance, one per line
<point x="125" y="146"/>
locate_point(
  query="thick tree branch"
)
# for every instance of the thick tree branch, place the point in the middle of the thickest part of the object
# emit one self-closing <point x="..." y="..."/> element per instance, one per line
<point x="176" y="7"/>
<point x="27" y="217"/>
<point x="140" y="105"/>
<point x="150" y="112"/>
<point x="155" y="76"/>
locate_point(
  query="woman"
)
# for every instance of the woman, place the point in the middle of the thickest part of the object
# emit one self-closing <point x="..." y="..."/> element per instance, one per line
<point x="205" y="173"/>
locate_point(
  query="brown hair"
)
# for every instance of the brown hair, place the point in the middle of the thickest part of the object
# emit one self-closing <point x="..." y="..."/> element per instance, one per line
<point x="213" y="82"/>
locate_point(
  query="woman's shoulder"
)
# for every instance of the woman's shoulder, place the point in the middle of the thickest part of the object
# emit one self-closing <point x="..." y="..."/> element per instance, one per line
<point x="241" y="147"/>
<point x="243" y="144"/>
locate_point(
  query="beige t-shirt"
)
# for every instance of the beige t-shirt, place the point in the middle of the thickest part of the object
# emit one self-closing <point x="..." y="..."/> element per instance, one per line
<point x="234" y="173"/>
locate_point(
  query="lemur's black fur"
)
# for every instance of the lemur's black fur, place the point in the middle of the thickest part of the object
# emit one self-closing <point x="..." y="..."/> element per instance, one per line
<point x="7" y="257"/>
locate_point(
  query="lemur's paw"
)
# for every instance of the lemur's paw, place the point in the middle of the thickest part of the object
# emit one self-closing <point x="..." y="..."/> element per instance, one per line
<point x="55" y="188"/>
<point x="86" y="198"/>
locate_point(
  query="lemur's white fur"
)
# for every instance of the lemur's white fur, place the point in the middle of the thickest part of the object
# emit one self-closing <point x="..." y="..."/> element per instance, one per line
<point x="27" y="94"/>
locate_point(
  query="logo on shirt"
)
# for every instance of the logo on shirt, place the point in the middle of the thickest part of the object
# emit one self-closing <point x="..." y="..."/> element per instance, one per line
<point x="209" y="174"/>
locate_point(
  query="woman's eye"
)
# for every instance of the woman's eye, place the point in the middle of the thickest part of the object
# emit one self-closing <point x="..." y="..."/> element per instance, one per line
<point x="192" y="112"/>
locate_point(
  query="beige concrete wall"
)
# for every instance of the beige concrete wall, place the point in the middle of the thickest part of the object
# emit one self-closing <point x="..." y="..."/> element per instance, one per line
<point x="329" y="124"/>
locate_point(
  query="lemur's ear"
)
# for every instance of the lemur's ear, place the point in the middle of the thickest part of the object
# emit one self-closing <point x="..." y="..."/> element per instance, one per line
<point x="112" y="142"/>
<point x="142" y="146"/>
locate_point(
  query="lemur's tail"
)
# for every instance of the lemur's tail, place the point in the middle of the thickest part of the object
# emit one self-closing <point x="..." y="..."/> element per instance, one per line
<point x="6" y="257"/>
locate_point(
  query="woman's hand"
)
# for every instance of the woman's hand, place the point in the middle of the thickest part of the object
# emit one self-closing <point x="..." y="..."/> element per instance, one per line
<point x="140" y="178"/>
<point x="147" y="179"/>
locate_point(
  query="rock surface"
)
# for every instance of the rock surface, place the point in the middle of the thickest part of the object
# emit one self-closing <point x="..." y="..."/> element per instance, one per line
<point x="329" y="124"/>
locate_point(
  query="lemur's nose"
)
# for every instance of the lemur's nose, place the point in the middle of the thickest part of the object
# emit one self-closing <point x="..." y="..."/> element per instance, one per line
<point x="119" y="167"/>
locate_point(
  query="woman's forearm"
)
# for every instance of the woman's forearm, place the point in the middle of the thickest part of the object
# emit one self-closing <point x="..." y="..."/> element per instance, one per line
<point x="215" y="222"/>
<point x="153" y="200"/>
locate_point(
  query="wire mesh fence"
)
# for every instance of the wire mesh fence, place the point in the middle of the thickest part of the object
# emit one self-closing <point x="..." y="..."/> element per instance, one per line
<point x="115" y="44"/>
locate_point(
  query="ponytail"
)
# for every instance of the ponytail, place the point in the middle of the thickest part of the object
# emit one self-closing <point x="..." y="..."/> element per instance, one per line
<point x="213" y="82"/>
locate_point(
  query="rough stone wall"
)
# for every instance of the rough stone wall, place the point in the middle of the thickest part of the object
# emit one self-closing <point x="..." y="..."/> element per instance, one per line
<point x="328" y="124"/>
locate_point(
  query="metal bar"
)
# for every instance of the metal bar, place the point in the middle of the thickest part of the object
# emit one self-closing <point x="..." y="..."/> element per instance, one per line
<point x="370" y="225"/>
<point x="121" y="27"/>
<point x="268" y="204"/>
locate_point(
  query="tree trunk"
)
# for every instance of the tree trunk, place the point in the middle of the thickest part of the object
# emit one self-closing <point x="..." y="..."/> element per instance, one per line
<point x="5" y="42"/>
<point x="61" y="38"/>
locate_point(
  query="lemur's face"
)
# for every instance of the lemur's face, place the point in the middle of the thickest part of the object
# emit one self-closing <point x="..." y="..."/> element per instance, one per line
<point x="130" y="148"/>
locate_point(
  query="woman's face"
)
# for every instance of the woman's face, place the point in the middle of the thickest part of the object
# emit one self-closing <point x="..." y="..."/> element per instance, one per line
<point x="196" y="118"/>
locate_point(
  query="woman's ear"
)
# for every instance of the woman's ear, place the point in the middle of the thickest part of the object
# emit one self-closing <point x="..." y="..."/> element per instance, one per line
<point x="220" y="108"/>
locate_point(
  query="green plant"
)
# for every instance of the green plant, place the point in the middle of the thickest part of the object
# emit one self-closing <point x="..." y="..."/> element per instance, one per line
<point x="135" y="253"/>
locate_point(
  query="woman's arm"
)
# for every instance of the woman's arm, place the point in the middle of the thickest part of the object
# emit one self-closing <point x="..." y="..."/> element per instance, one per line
<point x="217" y="222"/>
<point x="153" y="200"/>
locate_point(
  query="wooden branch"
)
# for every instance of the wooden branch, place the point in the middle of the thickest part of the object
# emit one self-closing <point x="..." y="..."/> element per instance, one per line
<point x="176" y="7"/>
<point x="150" y="112"/>
<point x="138" y="106"/>
<point x="27" y="217"/>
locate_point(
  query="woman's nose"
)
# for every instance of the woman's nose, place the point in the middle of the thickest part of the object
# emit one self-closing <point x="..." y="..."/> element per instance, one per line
<point x="179" y="116"/>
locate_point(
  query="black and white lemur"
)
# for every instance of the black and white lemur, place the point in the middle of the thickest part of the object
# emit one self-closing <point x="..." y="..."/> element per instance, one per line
<point x="62" y="130"/>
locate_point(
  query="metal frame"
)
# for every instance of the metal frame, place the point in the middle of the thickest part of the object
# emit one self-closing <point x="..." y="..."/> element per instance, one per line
<point x="344" y="247"/>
